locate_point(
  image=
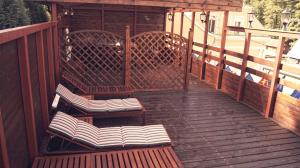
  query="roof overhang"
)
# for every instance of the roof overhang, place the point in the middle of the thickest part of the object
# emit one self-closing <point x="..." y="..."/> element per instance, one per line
<point x="191" y="5"/>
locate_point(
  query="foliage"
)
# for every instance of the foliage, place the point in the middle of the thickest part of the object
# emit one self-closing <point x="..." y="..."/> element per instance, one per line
<point x="15" y="13"/>
<point x="268" y="12"/>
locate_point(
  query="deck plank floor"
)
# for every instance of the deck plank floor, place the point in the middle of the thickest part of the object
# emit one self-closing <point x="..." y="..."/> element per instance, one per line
<point x="210" y="129"/>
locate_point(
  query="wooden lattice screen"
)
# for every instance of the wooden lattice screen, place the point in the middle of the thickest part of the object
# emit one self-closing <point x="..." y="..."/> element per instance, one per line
<point x="94" y="57"/>
<point x="97" y="58"/>
<point x="157" y="61"/>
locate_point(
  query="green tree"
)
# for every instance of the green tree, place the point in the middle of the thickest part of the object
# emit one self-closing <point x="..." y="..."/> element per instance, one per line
<point x="13" y="13"/>
<point x="295" y="21"/>
<point x="38" y="12"/>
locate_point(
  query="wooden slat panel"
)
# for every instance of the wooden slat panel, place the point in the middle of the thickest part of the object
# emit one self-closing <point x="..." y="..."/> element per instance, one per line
<point x="258" y="73"/>
<point x="230" y="83"/>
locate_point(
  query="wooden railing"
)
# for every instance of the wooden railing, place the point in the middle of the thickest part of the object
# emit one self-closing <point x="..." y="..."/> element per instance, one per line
<point x="260" y="96"/>
<point x="29" y="52"/>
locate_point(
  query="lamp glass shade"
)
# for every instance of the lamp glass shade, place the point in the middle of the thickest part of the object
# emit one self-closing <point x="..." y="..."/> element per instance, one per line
<point x="285" y="16"/>
<point x="203" y="17"/>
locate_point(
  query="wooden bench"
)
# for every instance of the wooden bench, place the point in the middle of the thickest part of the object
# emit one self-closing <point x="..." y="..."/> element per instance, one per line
<point x="163" y="157"/>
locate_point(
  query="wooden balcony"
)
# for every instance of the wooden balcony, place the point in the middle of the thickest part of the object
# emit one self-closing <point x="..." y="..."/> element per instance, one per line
<point x="215" y="117"/>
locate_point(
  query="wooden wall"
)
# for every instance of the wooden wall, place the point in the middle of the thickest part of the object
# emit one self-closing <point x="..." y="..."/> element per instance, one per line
<point x="287" y="112"/>
<point x="11" y="104"/>
<point x="211" y="74"/>
<point x="114" y="18"/>
<point x="230" y="83"/>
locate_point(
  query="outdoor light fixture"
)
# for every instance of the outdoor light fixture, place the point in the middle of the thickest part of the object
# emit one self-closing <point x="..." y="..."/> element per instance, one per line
<point x="203" y="17"/>
<point x="170" y="16"/>
<point x="285" y="18"/>
<point x="251" y="17"/>
<point x="71" y="12"/>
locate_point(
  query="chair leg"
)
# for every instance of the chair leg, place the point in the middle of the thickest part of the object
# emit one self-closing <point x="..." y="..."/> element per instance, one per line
<point x="144" y="118"/>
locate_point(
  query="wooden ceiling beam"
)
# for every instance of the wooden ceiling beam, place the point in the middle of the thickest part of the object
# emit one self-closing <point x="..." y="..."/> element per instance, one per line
<point x="195" y="5"/>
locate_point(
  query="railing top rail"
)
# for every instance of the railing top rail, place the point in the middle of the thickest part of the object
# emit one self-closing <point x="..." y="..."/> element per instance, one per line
<point x="7" y="35"/>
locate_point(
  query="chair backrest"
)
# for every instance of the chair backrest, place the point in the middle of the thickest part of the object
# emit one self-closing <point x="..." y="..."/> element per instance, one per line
<point x="69" y="96"/>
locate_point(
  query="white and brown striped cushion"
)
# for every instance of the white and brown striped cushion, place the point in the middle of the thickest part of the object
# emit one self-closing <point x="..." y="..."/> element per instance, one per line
<point x="65" y="93"/>
<point x="97" y="106"/>
<point x="115" y="105"/>
<point x="132" y="104"/>
<point x="64" y="124"/>
<point x="88" y="134"/>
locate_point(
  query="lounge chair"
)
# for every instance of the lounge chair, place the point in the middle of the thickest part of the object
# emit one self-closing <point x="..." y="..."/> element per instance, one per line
<point x="130" y="107"/>
<point x="91" y="137"/>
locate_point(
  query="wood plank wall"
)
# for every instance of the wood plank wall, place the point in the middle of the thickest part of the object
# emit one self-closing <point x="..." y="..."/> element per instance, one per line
<point x="114" y="18"/>
<point x="11" y="104"/>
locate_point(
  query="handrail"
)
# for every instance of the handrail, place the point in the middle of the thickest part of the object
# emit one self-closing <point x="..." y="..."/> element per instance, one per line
<point x="7" y="35"/>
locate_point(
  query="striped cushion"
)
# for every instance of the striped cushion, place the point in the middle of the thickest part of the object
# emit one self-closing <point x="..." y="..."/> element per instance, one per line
<point x="111" y="136"/>
<point x="97" y="106"/>
<point x="64" y="124"/>
<point x="132" y="104"/>
<point x="156" y="134"/>
<point x="86" y="133"/>
<point x="133" y="135"/>
<point x="115" y="105"/>
<point x="65" y="93"/>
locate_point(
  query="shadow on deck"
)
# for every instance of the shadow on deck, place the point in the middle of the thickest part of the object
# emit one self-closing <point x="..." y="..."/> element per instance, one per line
<point x="210" y="129"/>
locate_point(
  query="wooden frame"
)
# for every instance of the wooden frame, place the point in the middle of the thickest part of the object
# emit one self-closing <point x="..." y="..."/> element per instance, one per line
<point x="3" y="147"/>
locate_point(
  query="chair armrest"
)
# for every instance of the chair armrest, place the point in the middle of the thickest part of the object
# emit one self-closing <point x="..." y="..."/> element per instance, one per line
<point x="55" y="101"/>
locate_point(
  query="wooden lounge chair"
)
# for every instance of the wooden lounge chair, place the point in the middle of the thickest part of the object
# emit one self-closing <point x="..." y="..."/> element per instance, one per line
<point x="90" y="137"/>
<point x="130" y="107"/>
<point x="158" y="157"/>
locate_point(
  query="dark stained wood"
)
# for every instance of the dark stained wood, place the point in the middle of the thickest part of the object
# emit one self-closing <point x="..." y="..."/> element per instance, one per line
<point x="244" y="67"/>
<point x="55" y="42"/>
<point x="189" y="59"/>
<point x="275" y="80"/>
<point x="221" y="5"/>
<point x="204" y="54"/>
<point x="4" y="159"/>
<point x="114" y="159"/>
<point x="27" y="97"/>
<point x="221" y="56"/>
<point x="181" y="23"/>
<point x="127" y="57"/>
<point x="230" y="84"/>
<point x="42" y="78"/>
<point x="51" y="70"/>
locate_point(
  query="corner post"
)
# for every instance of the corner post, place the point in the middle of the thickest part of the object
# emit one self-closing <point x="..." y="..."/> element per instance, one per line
<point x="275" y="79"/>
<point x="42" y="78"/>
<point x="188" y="59"/>
<point x="51" y="62"/>
<point x="222" y="52"/>
<point x="244" y="67"/>
<point x="27" y="97"/>
<point x="127" y="56"/>
<point x="181" y="23"/>
<point x="3" y="145"/>
<point x="203" y="64"/>
<point x="55" y="42"/>
<point x="192" y="28"/>
<point x="172" y="24"/>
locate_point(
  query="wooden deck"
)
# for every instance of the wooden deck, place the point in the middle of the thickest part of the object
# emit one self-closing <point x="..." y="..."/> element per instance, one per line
<point x="210" y="129"/>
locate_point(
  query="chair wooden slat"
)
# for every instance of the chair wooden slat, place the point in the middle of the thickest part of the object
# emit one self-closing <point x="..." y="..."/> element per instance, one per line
<point x="121" y="160"/>
<point x="159" y="158"/>
<point x="142" y="157"/>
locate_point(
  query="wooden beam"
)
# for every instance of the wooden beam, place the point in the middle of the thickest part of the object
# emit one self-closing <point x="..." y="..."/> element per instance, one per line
<point x="205" y="37"/>
<point x="275" y="80"/>
<point x="127" y="57"/>
<point x="244" y="67"/>
<point x="192" y="28"/>
<point x="181" y="23"/>
<point x="172" y="22"/>
<point x="165" y="20"/>
<point x="27" y="97"/>
<point x="188" y="59"/>
<point x="52" y="85"/>
<point x="223" y="42"/>
<point x="102" y="17"/>
<point x="55" y="42"/>
<point x="11" y="34"/>
<point x="3" y="144"/>
<point x="220" y="5"/>
<point x="42" y="78"/>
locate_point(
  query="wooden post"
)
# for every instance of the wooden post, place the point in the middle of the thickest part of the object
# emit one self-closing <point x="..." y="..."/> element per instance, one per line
<point x="188" y="59"/>
<point x="192" y="28"/>
<point x="205" y="37"/>
<point x="273" y="89"/>
<point x="55" y="42"/>
<point x="51" y="62"/>
<point x="244" y="67"/>
<point x="3" y="145"/>
<point x="127" y="57"/>
<point x="173" y="19"/>
<point x="181" y="23"/>
<point x="102" y="17"/>
<point x="222" y="52"/>
<point x="27" y="97"/>
<point x="42" y="78"/>
<point x="165" y="20"/>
